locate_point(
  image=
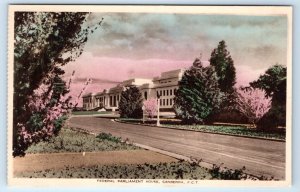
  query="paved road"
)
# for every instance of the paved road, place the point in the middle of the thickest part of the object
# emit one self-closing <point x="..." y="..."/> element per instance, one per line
<point x="260" y="157"/>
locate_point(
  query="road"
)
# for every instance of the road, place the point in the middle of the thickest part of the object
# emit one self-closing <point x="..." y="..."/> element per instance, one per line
<point x="260" y="157"/>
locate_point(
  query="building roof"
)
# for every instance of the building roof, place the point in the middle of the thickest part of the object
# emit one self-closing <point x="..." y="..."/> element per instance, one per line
<point x="170" y="74"/>
<point x="87" y="95"/>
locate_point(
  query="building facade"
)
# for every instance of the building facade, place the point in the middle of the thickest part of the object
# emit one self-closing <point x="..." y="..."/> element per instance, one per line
<point x="165" y="85"/>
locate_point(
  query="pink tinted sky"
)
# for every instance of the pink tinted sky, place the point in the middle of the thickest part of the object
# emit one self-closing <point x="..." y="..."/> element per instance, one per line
<point x="106" y="72"/>
<point x="144" y="45"/>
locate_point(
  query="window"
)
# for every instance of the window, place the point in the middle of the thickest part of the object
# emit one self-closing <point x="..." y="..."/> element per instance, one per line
<point x="164" y="93"/>
<point x="170" y="91"/>
<point x="110" y="100"/>
<point x="175" y="90"/>
<point x="167" y="92"/>
<point x="145" y="95"/>
<point x="163" y="102"/>
<point x="160" y="102"/>
<point x="171" y="102"/>
<point x="167" y="100"/>
<point x="160" y="93"/>
<point x="115" y="99"/>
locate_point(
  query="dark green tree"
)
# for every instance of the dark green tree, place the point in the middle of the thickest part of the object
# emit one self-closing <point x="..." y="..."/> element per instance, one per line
<point x="198" y="95"/>
<point x="224" y="67"/>
<point x="131" y="103"/>
<point x="43" y="43"/>
<point x="273" y="82"/>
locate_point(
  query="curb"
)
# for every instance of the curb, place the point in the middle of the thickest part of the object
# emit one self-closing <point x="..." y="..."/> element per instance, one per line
<point x="226" y="134"/>
<point x="175" y="155"/>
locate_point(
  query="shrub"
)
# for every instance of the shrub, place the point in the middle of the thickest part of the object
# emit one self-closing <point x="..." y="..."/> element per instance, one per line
<point x="150" y="106"/>
<point x="253" y="104"/>
<point x="131" y="103"/>
<point x="109" y="137"/>
<point x="227" y="174"/>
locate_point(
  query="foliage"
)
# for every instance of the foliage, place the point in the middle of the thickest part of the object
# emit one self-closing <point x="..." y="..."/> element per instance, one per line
<point x="273" y="82"/>
<point x="69" y="140"/>
<point x="227" y="174"/>
<point x="150" y="106"/>
<point x="275" y="117"/>
<point x="131" y="103"/>
<point x="253" y="104"/>
<point x="224" y="67"/>
<point x="198" y="95"/>
<point x="43" y="42"/>
<point x="109" y="137"/>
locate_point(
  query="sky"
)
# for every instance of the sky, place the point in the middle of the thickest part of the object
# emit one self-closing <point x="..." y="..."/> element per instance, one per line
<point x="143" y="45"/>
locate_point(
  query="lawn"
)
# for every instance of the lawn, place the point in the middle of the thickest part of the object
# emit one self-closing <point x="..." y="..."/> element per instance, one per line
<point x="174" y="170"/>
<point x="223" y="129"/>
<point x="70" y="140"/>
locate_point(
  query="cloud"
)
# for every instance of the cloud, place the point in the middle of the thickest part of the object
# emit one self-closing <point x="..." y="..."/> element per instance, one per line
<point x="144" y="45"/>
<point x="141" y="36"/>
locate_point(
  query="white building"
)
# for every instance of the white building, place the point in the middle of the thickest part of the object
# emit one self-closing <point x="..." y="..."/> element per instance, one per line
<point x="165" y="85"/>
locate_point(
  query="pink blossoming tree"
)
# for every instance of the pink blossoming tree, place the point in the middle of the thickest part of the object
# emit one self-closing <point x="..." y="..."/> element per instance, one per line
<point x="43" y="43"/>
<point x="150" y="106"/>
<point x="253" y="104"/>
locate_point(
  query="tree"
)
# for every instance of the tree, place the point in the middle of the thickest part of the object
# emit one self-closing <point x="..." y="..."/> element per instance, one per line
<point x="224" y="67"/>
<point x="150" y="106"/>
<point x="273" y="82"/>
<point x="43" y="43"/>
<point x="131" y="103"/>
<point x="198" y="95"/>
<point x="253" y="104"/>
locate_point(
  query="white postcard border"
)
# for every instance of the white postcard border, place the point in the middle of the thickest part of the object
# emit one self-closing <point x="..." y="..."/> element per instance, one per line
<point x="227" y="10"/>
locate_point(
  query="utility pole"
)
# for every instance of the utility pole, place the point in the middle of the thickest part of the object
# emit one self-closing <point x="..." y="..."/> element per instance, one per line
<point x="158" y="105"/>
<point x="143" y="108"/>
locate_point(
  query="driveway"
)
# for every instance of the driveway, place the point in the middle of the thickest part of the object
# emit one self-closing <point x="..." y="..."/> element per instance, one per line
<point x="260" y="157"/>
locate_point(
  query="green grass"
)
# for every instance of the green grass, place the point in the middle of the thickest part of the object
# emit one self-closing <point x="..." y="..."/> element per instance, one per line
<point x="70" y="140"/>
<point x="174" y="170"/>
<point x="232" y="130"/>
<point x="90" y="112"/>
<point x="225" y="129"/>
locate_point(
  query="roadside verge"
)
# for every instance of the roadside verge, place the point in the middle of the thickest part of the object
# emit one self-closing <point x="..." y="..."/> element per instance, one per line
<point x="193" y="130"/>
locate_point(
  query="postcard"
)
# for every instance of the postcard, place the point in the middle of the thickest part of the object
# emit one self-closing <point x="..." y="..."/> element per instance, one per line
<point x="156" y="95"/>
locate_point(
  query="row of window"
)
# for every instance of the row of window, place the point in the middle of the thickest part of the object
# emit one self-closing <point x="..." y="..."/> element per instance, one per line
<point x="166" y="92"/>
<point x="113" y="102"/>
<point x="114" y="99"/>
<point x="166" y="102"/>
<point x="165" y="81"/>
